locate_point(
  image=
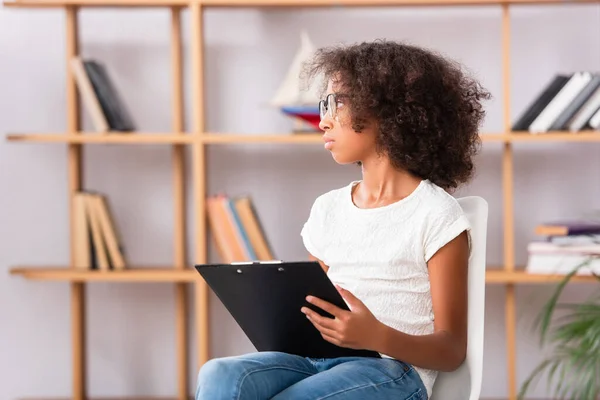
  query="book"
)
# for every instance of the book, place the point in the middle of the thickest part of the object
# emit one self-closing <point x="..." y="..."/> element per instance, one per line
<point x="541" y="101"/>
<point x="223" y="230"/>
<point x="559" y="102"/>
<point x="562" y="122"/>
<point x="97" y="242"/>
<point x="568" y="227"/>
<point x="112" y="104"/>
<point x="552" y="258"/>
<point x="575" y="240"/>
<point x="88" y="95"/>
<point x="562" y="264"/>
<point x="254" y="229"/>
<point x="584" y="114"/>
<point x="236" y="230"/>
<point x="594" y="122"/>
<point x="240" y="232"/>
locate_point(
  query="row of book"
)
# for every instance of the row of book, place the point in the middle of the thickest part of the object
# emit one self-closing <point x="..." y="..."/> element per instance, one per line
<point x="100" y="97"/>
<point x="234" y="224"/>
<point x="98" y="245"/>
<point x="569" y="102"/>
<point x="566" y="245"/>
<point x="236" y="229"/>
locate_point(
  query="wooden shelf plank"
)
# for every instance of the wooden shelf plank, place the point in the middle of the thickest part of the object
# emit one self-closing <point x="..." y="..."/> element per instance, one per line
<point x="500" y="276"/>
<point x="373" y="3"/>
<point x="109" y="138"/>
<point x="147" y="274"/>
<point x="583" y="136"/>
<point x="494" y="275"/>
<point x="282" y="138"/>
<point x="493" y="137"/>
<point x="94" y="3"/>
<point x="296" y="138"/>
<point x="275" y="3"/>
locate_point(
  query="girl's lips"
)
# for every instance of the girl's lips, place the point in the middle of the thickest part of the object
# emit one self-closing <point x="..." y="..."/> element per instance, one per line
<point x="328" y="142"/>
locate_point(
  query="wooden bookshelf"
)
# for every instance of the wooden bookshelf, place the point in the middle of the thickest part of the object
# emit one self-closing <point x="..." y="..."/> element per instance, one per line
<point x="179" y="272"/>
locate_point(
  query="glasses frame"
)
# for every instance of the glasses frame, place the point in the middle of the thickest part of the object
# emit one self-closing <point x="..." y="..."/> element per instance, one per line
<point x="329" y="105"/>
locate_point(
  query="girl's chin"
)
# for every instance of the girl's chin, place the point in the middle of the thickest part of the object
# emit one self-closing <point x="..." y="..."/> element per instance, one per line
<point x="341" y="159"/>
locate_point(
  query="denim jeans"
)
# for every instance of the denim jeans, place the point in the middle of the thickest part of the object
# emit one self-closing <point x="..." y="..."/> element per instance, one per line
<point x="281" y="376"/>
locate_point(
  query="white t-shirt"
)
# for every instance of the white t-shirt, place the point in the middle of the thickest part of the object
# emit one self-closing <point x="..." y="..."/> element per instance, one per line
<point x="380" y="254"/>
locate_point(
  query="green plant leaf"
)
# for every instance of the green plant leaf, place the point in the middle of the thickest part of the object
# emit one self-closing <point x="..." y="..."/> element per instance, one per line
<point x="545" y="317"/>
<point x="535" y="374"/>
<point x="573" y="366"/>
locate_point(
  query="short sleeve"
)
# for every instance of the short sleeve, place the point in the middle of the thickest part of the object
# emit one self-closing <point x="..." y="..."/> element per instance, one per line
<point x="312" y="228"/>
<point x="443" y="227"/>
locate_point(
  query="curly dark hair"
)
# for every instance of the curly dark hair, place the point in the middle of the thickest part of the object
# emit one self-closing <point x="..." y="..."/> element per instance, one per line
<point x="426" y="108"/>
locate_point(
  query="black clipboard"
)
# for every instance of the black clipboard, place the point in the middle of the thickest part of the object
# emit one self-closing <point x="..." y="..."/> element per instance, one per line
<point x="265" y="299"/>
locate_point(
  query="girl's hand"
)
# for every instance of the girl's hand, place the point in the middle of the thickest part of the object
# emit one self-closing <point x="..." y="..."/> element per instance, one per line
<point x="355" y="329"/>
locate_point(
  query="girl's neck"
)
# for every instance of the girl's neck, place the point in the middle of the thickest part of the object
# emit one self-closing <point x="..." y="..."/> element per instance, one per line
<point x="382" y="183"/>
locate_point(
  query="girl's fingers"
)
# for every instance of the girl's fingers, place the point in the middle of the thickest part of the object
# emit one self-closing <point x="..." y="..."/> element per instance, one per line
<point x="325" y="331"/>
<point x="324" y="305"/>
<point x="323" y="321"/>
<point x="331" y="339"/>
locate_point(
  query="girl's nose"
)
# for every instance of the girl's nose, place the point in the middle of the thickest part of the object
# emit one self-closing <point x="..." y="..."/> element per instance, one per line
<point x="325" y="124"/>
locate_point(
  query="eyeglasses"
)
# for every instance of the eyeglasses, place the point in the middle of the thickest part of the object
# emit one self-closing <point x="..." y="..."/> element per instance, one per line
<point x="328" y="105"/>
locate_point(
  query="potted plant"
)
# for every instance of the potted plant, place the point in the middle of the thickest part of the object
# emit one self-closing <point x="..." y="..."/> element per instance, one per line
<point x="573" y="365"/>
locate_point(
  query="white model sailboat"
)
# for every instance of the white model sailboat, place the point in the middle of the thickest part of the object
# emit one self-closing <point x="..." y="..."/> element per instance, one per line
<point x="290" y="97"/>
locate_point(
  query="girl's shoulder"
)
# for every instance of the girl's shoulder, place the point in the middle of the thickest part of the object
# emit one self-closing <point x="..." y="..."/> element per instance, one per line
<point x="436" y="198"/>
<point x="334" y="197"/>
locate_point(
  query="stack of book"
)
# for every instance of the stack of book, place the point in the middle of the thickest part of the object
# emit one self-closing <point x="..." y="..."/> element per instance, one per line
<point x="567" y="103"/>
<point x="236" y="230"/>
<point x="97" y="242"/>
<point x="100" y="97"/>
<point x="567" y="245"/>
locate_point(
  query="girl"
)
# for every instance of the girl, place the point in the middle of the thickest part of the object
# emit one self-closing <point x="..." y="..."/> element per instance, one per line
<point x="396" y="243"/>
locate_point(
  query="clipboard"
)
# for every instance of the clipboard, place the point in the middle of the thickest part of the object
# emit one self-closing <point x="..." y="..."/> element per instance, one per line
<point x="265" y="297"/>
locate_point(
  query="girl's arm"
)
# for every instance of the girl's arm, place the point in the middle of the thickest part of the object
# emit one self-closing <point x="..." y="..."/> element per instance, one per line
<point x="444" y="349"/>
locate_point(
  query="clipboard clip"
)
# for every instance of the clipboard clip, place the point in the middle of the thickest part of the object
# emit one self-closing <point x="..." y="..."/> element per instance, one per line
<point x="258" y="262"/>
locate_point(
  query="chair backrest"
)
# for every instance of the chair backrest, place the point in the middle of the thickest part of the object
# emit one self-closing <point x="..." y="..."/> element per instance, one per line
<point x="465" y="382"/>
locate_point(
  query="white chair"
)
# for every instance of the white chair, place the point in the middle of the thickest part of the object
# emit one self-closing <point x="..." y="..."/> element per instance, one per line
<point x="465" y="382"/>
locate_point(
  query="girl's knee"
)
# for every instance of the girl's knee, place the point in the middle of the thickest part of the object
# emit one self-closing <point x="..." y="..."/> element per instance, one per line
<point x="212" y="379"/>
<point x="216" y="370"/>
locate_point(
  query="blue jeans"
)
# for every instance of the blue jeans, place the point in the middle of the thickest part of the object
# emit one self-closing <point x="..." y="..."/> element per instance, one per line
<point x="281" y="376"/>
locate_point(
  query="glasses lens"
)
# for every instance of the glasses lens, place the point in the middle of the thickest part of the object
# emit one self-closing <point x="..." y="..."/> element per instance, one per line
<point x="331" y="105"/>
<point x="322" y="109"/>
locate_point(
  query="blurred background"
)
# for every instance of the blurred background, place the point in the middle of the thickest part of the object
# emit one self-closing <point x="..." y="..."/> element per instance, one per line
<point x="247" y="52"/>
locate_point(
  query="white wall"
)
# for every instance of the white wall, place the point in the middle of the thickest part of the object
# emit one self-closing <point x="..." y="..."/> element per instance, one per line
<point x="131" y="335"/>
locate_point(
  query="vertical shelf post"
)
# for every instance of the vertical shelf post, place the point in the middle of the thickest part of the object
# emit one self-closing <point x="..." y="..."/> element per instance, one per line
<point x="199" y="173"/>
<point x="179" y="243"/>
<point x="75" y="156"/>
<point x="508" y="192"/>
